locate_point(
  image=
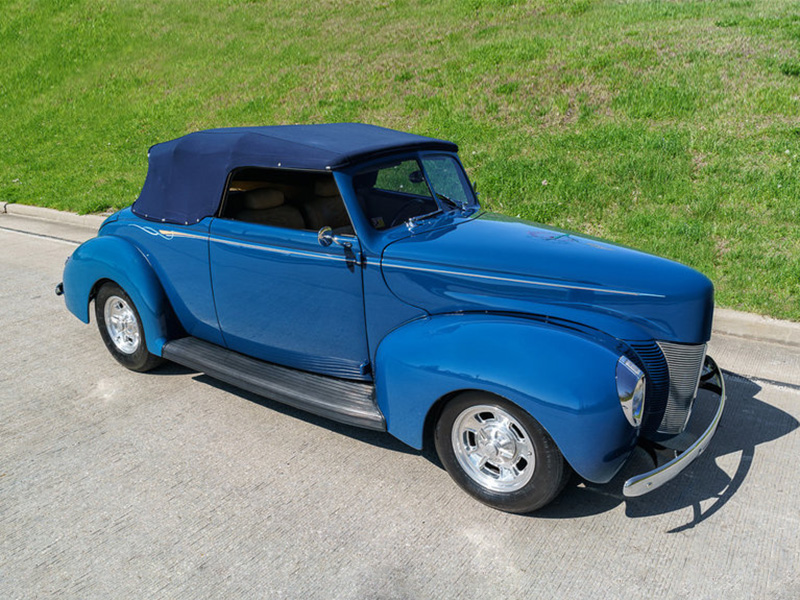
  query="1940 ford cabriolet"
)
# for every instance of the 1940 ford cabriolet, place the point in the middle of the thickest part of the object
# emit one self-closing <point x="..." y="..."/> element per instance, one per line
<point x="349" y="270"/>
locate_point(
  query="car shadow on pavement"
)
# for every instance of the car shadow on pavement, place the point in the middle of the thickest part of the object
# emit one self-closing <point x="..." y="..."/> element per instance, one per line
<point x="704" y="486"/>
<point x="170" y="368"/>
<point x="379" y="439"/>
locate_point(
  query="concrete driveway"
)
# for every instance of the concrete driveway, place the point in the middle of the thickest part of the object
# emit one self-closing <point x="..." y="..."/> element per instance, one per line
<point x="122" y="485"/>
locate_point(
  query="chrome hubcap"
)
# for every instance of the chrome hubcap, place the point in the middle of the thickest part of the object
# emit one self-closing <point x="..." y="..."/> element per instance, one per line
<point x="493" y="448"/>
<point x="121" y="325"/>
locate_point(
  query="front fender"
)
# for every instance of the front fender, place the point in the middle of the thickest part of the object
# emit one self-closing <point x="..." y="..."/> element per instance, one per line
<point x="564" y="379"/>
<point x="114" y="258"/>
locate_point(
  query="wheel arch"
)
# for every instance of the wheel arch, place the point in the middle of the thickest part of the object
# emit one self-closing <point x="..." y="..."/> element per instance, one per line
<point x="433" y="414"/>
<point x="93" y="292"/>
<point x="112" y="259"/>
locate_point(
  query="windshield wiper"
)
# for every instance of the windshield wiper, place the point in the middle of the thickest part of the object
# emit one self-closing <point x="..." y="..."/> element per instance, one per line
<point x="462" y="206"/>
<point x="412" y="222"/>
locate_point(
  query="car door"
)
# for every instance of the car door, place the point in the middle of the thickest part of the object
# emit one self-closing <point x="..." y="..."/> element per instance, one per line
<point x="284" y="298"/>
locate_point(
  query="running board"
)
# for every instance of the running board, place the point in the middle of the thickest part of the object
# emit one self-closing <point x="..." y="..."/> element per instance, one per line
<point x="347" y="402"/>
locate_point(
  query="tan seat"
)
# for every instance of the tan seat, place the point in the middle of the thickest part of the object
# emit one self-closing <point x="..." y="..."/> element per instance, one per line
<point x="326" y="207"/>
<point x="266" y="207"/>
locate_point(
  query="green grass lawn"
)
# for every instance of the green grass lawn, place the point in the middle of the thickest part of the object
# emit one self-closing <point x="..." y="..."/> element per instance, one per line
<point x="669" y="126"/>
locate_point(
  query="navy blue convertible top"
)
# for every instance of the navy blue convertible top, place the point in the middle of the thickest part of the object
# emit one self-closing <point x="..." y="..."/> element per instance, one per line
<point x="186" y="177"/>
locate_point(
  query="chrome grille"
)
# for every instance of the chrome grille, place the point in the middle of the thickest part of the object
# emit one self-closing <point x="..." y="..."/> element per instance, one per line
<point x="685" y="363"/>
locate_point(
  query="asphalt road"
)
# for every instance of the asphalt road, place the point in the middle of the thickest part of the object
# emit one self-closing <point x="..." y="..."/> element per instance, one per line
<point x="170" y="485"/>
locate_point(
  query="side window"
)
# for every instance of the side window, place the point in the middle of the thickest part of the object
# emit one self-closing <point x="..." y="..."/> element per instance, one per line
<point x="290" y="199"/>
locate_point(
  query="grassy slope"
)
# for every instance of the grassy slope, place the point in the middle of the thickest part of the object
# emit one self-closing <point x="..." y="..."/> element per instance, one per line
<point x="670" y="126"/>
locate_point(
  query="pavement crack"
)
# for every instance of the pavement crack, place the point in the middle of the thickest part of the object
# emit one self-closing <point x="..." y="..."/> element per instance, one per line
<point x="40" y="235"/>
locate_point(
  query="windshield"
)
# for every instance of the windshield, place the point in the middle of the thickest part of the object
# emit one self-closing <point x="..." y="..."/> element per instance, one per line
<point x="449" y="180"/>
<point x="396" y="191"/>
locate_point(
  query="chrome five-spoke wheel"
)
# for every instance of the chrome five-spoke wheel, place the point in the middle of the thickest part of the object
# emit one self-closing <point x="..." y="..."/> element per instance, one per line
<point x="493" y="448"/>
<point x="498" y="453"/>
<point x="123" y="329"/>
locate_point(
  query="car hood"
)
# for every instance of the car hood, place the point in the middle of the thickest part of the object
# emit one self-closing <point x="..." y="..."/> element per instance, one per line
<point x="498" y="263"/>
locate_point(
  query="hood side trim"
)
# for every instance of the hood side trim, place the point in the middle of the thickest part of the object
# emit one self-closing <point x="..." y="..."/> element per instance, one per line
<point x="395" y="265"/>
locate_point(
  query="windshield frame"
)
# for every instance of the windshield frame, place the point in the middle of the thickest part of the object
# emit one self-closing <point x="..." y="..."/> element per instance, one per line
<point x="374" y="240"/>
<point x="472" y="198"/>
<point x="442" y="207"/>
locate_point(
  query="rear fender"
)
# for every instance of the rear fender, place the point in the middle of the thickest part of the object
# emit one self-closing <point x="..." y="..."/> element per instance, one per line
<point x="115" y="259"/>
<point x="564" y="379"/>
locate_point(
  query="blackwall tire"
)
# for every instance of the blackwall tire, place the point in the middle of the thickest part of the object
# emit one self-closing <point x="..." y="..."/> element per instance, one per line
<point x="499" y="454"/>
<point x="121" y="329"/>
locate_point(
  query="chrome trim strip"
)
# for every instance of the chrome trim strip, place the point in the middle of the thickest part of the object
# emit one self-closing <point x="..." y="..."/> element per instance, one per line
<point x="647" y="482"/>
<point x="512" y="280"/>
<point x="275" y="250"/>
<point x="168" y="234"/>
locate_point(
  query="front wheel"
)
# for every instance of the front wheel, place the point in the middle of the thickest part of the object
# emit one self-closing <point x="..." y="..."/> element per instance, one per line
<point x="498" y="453"/>
<point x="121" y="328"/>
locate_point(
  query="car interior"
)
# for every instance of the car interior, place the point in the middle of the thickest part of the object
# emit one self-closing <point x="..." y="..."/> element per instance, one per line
<point x="392" y="193"/>
<point x="282" y="198"/>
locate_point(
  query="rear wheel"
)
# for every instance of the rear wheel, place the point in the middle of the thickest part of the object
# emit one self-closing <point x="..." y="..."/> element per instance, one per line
<point x="499" y="454"/>
<point x="121" y="328"/>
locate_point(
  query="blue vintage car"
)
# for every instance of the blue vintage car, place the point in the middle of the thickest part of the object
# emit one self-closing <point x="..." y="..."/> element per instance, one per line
<point x="349" y="270"/>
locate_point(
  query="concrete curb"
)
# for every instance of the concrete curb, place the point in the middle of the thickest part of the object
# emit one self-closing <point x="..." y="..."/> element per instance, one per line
<point x="756" y="327"/>
<point x="726" y="321"/>
<point x="49" y="214"/>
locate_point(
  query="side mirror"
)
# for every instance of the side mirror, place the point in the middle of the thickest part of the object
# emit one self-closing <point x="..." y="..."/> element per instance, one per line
<point x="416" y="177"/>
<point x="325" y="238"/>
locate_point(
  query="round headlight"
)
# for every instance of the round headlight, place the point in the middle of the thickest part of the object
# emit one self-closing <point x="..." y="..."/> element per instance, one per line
<point x="631" y="385"/>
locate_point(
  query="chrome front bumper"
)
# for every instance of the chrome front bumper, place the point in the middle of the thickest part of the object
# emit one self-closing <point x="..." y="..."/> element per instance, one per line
<point x="647" y="482"/>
